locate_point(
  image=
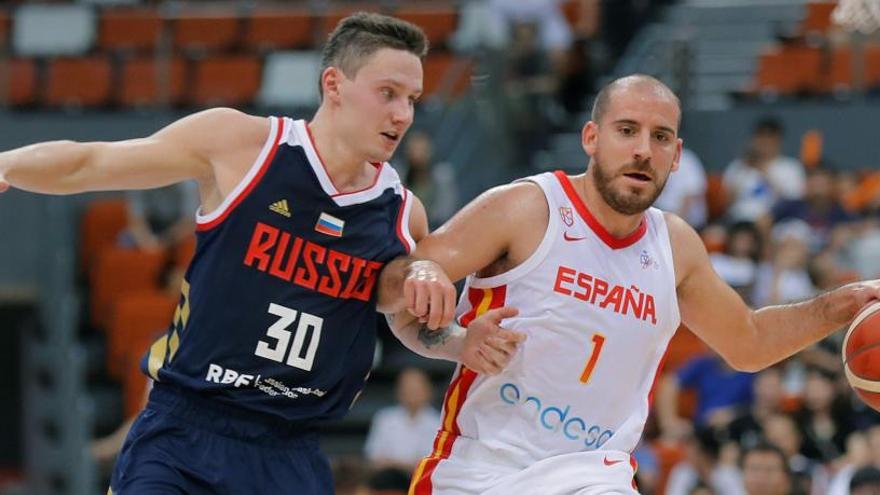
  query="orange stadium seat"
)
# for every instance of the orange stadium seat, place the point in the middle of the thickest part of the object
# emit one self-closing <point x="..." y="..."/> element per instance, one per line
<point x="790" y="69"/>
<point x="872" y="64"/>
<point x="183" y="252"/>
<point x="840" y="74"/>
<point x="129" y="29"/>
<point x="683" y="346"/>
<point x="78" y="81"/>
<point x="100" y="225"/>
<point x="149" y="81"/>
<point x="19" y="81"/>
<point x="439" y="67"/>
<point x="232" y="80"/>
<point x="4" y="28"/>
<point x="215" y="31"/>
<point x="818" y="18"/>
<point x="438" y="21"/>
<point x="267" y="29"/>
<point x="118" y="272"/>
<point x="137" y="317"/>
<point x="668" y="455"/>
<point x="716" y="196"/>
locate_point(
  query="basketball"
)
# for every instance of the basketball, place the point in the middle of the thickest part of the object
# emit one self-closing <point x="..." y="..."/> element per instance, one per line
<point x="861" y="355"/>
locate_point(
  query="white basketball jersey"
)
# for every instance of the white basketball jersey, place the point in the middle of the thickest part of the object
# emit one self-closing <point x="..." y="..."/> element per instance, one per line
<point x="599" y="312"/>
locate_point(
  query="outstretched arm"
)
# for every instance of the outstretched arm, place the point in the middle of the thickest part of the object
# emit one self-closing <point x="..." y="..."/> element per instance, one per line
<point x="186" y="149"/>
<point x="750" y="340"/>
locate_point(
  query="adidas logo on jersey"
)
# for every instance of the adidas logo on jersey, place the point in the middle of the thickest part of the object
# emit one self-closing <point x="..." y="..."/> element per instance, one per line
<point x="281" y="208"/>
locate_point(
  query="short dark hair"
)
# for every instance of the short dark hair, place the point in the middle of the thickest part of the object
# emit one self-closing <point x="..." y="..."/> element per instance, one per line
<point x="362" y="34"/>
<point x="765" y="447"/>
<point x="866" y="476"/>
<point x="603" y="99"/>
<point x="769" y="125"/>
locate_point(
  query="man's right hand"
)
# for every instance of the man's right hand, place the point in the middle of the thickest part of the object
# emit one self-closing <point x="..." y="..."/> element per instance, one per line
<point x="429" y="294"/>
<point x="488" y="348"/>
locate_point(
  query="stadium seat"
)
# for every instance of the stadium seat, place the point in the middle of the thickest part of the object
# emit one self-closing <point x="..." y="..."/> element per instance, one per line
<point x="291" y="79"/>
<point x="129" y="29"/>
<point x="683" y="346"/>
<point x="790" y="69"/>
<point x="19" y="81"/>
<point x="206" y="32"/>
<point x="52" y="30"/>
<point x="817" y="20"/>
<point x="148" y="81"/>
<point x="446" y="72"/>
<point x="4" y="28"/>
<point x="872" y="64"/>
<point x="78" y="81"/>
<point x="137" y="317"/>
<point x="118" y="272"/>
<point x="232" y="80"/>
<point x="100" y="225"/>
<point x="183" y="252"/>
<point x="438" y="22"/>
<point x="267" y="29"/>
<point x="716" y="196"/>
<point x="840" y="75"/>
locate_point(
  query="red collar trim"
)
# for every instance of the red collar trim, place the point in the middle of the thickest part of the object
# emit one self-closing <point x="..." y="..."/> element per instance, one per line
<point x="607" y="237"/>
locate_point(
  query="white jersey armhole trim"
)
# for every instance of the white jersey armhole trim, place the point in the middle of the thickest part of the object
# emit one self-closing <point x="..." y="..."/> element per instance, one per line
<point x="403" y="226"/>
<point x="276" y="126"/>
<point x="541" y="251"/>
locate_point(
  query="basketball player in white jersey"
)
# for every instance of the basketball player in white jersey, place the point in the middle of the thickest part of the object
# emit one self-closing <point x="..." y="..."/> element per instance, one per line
<point x="601" y="281"/>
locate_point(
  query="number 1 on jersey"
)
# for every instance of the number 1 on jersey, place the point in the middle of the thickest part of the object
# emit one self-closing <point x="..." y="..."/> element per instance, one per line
<point x="598" y="341"/>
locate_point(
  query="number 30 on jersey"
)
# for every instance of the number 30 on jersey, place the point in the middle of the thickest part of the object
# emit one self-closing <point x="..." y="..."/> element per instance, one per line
<point x="306" y="337"/>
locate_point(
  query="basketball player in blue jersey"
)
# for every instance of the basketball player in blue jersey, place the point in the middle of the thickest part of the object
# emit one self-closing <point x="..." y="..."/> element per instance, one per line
<point x="275" y="329"/>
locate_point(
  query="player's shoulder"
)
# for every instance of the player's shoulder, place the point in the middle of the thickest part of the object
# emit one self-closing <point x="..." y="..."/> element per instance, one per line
<point x="223" y="126"/>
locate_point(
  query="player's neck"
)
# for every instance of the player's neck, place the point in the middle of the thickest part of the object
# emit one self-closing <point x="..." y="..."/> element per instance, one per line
<point x="616" y="223"/>
<point x="348" y="169"/>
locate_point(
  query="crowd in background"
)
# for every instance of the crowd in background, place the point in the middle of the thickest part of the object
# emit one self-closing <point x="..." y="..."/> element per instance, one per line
<point x="778" y="230"/>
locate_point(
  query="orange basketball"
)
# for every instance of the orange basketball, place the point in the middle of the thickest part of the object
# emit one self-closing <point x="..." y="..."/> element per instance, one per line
<point x="861" y="355"/>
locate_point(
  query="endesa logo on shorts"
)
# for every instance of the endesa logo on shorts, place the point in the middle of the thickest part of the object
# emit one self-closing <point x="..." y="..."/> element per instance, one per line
<point x="555" y="419"/>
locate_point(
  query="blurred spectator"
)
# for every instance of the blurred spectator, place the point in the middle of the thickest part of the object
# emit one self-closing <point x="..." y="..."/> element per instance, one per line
<point x="763" y="175"/>
<point x="350" y="476"/>
<point x="552" y="31"/>
<point x="401" y="435"/>
<point x="702" y="467"/>
<point x="863" y="251"/>
<point x="529" y="85"/>
<point x="857" y="456"/>
<point x="746" y="429"/>
<point x="685" y="191"/>
<point x="389" y="481"/>
<point x="865" y="481"/>
<point x="765" y="472"/>
<point x="818" y="208"/>
<point x="826" y="420"/>
<point x="576" y="79"/>
<point x="160" y="218"/>
<point x="782" y="431"/>
<point x="785" y="278"/>
<point x="431" y="180"/>
<point x="721" y="390"/>
<point x="738" y="264"/>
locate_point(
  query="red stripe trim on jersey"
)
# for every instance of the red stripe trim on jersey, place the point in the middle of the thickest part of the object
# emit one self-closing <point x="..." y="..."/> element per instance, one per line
<point x="607" y="237"/>
<point x="635" y="465"/>
<point x="481" y="301"/>
<point x="377" y="166"/>
<point x="400" y="221"/>
<point x="657" y="372"/>
<point x="201" y="227"/>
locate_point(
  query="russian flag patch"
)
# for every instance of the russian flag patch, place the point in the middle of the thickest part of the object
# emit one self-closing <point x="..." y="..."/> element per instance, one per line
<point x="330" y="225"/>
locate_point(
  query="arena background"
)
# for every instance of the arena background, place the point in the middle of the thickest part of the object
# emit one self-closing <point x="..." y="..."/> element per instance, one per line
<point x="508" y="86"/>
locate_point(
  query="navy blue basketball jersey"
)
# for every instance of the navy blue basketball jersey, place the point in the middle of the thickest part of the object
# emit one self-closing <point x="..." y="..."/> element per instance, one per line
<point x="277" y="313"/>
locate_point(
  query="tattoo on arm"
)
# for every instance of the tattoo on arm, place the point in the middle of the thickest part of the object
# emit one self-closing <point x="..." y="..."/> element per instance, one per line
<point x="430" y="338"/>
